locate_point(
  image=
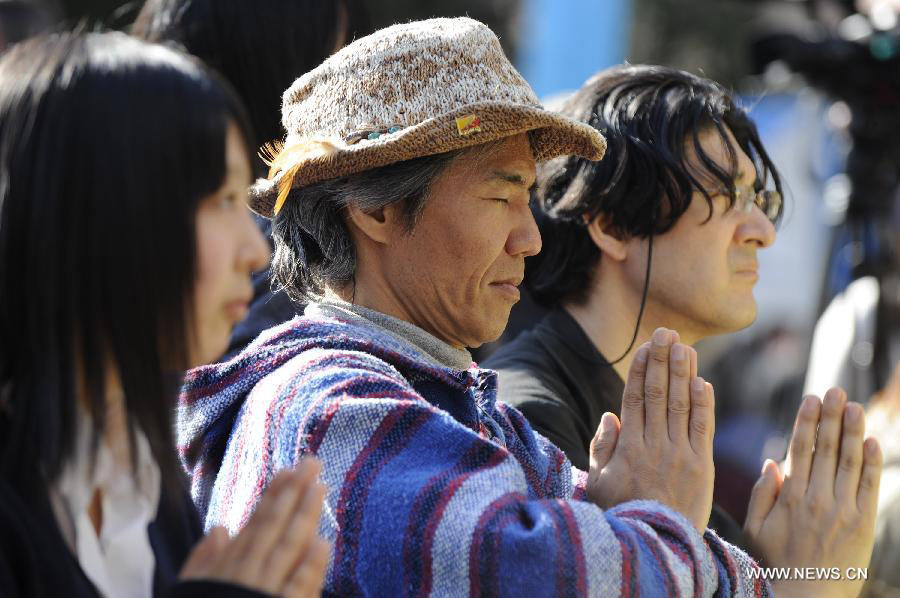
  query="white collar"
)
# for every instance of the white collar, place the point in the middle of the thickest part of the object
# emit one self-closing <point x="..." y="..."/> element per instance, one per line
<point x="119" y="560"/>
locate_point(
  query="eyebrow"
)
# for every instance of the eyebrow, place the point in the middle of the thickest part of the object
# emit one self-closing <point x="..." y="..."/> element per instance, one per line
<point x="509" y="177"/>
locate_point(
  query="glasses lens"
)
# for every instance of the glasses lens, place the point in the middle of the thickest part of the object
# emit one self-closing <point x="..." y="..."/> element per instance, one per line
<point x="743" y="198"/>
<point x="770" y="203"/>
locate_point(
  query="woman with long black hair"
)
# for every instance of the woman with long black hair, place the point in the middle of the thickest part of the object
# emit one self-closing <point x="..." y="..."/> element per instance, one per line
<point x="125" y="257"/>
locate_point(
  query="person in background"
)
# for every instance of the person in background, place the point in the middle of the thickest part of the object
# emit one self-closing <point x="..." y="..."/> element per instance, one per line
<point x="260" y="48"/>
<point x="664" y="232"/>
<point x="686" y="171"/>
<point x="856" y="342"/>
<point x="125" y="257"/>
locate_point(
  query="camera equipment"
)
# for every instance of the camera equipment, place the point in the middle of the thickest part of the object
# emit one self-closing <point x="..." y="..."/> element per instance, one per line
<point x="855" y="58"/>
<point x="857" y="61"/>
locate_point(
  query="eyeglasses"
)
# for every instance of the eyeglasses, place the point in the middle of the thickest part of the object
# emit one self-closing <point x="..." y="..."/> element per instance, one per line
<point x="769" y="201"/>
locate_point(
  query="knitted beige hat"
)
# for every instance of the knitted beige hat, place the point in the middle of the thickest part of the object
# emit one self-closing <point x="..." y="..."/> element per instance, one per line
<point x="408" y="91"/>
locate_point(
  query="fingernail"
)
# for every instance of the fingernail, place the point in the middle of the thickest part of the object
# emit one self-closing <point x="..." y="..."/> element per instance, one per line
<point x="607" y="422"/>
<point x="698" y="384"/>
<point x="852" y="413"/>
<point x="661" y="337"/>
<point x="678" y="352"/>
<point x="810" y="402"/>
<point x="871" y="447"/>
<point x="641" y="355"/>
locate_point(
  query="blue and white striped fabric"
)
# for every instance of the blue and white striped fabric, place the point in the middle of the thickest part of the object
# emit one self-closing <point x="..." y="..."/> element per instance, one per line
<point x="434" y="488"/>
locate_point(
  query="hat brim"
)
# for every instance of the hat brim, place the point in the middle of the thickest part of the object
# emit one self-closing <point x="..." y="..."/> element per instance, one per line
<point x="551" y="135"/>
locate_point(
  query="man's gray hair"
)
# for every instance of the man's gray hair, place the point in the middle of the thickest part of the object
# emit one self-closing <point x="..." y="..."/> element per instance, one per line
<point x="313" y="247"/>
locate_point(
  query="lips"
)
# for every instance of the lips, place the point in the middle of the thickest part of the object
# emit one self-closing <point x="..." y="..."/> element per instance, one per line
<point x="237" y="309"/>
<point x="751" y="273"/>
<point x="751" y="266"/>
<point x="510" y="281"/>
<point x="509" y="287"/>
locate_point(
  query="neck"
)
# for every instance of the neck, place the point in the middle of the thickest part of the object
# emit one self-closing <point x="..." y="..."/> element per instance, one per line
<point x="374" y="293"/>
<point x="609" y="317"/>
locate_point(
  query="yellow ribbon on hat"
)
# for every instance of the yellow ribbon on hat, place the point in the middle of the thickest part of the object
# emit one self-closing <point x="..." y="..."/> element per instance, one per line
<point x="278" y="156"/>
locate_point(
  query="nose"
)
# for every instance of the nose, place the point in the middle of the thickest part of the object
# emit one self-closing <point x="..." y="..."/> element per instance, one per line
<point x="756" y="229"/>
<point x="255" y="251"/>
<point x="524" y="238"/>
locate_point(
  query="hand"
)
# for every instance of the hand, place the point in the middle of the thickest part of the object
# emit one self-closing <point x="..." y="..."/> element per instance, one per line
<point x="822" y="512"/>
<point x="278" y="551"/>
<point x="662" y="450"/>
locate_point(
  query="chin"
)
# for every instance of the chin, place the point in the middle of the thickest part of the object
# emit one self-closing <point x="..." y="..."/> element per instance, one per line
<point x="738" y="319"/>
<point x="213" y="350"/>
<point x="481" y="338"/>
<point x="488" y="331"/>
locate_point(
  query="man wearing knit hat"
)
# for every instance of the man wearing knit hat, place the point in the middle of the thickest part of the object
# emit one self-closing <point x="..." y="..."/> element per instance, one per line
<point x="400" y="207"/>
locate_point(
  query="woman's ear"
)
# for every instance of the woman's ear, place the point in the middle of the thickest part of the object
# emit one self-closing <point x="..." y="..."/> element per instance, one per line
<point x="606" y="239"/>
<point x="378" y="225"/>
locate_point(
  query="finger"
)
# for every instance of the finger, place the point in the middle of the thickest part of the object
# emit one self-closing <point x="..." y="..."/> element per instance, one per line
<point x="799" y="458"/>
<point x="828" y="442"/>
<point x="296" y="538"/>
<point x="711" y="392"/>
<point x="309" y="577"/>
<point x="873" y="461"/>
<point x="254" y="544"/>
<point x="604" y="442"/>
<point x="693" y="354"/>
<point x="201" y="562"/>
<point x="633" y="396"/>
<point x="702" y="422"/>
<point x="656" y="387"/>
<point x="851" y="459"/>
<point x="762" y="498"/>
<point x="679" y="403"/>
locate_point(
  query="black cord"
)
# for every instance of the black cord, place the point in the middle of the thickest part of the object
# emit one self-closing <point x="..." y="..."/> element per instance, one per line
<point x="637" y="326"/>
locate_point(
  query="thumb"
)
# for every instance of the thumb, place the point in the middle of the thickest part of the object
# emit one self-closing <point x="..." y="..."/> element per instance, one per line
<point x="201" y="562"/>
<point x="762" y="498"/>
<point x="604" y="442"/>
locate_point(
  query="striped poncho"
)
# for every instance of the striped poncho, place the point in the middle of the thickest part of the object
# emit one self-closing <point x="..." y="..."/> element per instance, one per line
<point x="434" y="488"/>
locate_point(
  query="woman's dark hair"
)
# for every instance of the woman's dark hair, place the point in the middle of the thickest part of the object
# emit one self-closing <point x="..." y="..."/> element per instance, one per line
<point x="107" y="145"/>
<point x="652" y="118"/>
<point x="258" y="47"/>
<point x="313" y="247"/>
